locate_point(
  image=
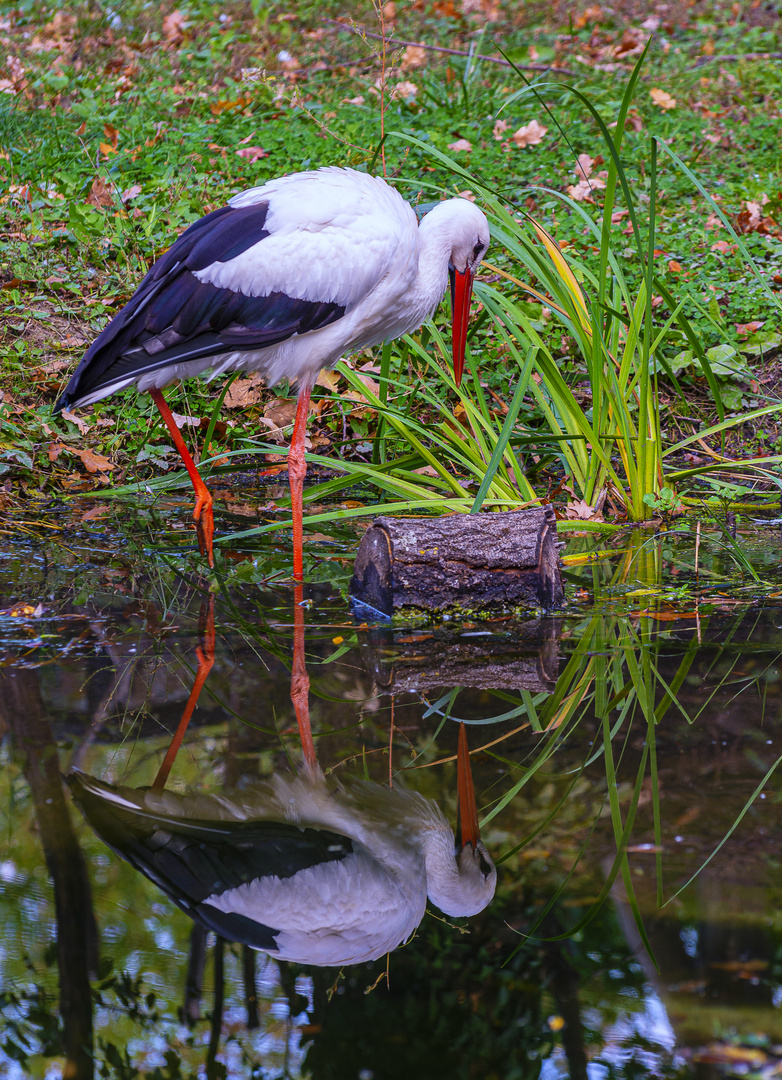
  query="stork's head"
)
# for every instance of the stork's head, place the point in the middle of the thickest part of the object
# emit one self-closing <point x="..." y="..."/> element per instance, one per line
<point x="470" y="243"/>
<point x="471" y="888"/>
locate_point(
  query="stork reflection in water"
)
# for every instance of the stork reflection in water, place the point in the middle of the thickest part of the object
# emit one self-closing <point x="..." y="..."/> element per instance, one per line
<point x="304" y="867"/>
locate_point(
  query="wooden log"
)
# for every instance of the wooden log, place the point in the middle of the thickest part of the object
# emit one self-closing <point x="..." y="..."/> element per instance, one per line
<point x="524" y="658"/>
<point x="465" y="561"/>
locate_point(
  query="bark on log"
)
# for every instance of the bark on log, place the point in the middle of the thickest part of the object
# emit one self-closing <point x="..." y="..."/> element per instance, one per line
<point x="466" y="560"/>
<point x="527" y="659"/>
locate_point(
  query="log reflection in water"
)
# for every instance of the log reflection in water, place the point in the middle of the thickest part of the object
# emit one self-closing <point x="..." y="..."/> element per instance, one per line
<point x="421" y="660"/>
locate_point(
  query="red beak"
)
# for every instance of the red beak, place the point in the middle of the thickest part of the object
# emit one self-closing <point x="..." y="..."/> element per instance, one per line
<point x="466" y="813"/>
<point x="461" y="294"/>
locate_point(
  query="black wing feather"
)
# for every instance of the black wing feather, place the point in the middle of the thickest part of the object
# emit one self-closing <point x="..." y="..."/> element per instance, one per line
<point x="173" y="317"/>
<point x="191" y="860"/>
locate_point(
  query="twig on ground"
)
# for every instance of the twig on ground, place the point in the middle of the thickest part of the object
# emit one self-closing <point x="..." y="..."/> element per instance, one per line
<point x="397" y="43"/>
<point x="732" y="58"/>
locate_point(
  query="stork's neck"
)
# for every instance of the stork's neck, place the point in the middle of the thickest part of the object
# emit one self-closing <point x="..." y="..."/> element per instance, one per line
<point x="435" y="242"/>
<point x="461" y="885"/>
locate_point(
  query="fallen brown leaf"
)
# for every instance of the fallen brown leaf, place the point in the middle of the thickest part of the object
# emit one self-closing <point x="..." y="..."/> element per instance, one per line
<point x="173" y="28"/>
<point x="91" y="461"/>
<point x="244" y="392"/>
<point x="405" y="89"/>
<point x="529" y="134"/>
<point x="131" y="193"/>
<point x="98" y="511"/>
<point x="583" y="169"/>
<point x="82" y="425"/>
<point x="413" y="56"/>
<point x="329" y="380"/>
<point x="100" y="194"/>
<point x="252" y="153"/>
<point x="662" y="99"/>
<point x="281" y="411"/>
<point x="742" y="329"/>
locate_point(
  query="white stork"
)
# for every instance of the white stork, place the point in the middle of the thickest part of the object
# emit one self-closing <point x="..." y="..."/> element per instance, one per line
<point x="284" y="280"/>
<point x="309" y="871"/>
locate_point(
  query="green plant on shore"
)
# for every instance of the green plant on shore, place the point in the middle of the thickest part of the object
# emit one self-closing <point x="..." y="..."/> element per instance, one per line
<point x="465" y="458"/>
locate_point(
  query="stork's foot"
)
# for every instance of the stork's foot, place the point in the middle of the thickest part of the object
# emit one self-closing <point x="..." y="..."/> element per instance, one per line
<point x="204" y="524"/>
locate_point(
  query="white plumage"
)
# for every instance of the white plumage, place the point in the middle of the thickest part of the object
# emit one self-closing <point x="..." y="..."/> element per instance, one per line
<point x="309" y="871"/>
<point x="284" y="280"/>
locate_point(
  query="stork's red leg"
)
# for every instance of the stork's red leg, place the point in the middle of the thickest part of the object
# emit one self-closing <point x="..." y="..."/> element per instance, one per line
<point x="297" y="470"/>
<point x="300" y="681"/>
<point x="202" y="512"/>
<point x="205" y="655"/>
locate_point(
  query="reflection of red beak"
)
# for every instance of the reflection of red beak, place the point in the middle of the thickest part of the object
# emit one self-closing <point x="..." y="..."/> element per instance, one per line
<point x="466" y="813"/>
<point x="461" y="294"/>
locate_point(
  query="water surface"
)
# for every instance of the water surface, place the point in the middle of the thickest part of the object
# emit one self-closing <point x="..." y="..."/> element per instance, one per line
<point x="623" y="752"/>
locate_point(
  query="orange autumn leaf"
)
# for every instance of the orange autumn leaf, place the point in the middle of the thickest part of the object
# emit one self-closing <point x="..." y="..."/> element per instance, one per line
<point x="675" y="267"/>
<point x="91" y="461"/>
<point x="662" y="99"/>
<point x="742" y="329"/>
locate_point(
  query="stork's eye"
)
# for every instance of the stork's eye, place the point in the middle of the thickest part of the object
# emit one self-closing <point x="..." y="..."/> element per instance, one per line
<point x="484" y="865"/>
<point x="476" y="251"/>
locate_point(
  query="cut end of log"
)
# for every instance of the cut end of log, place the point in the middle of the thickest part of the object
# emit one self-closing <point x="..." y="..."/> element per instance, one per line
<point x="462" y="561"/>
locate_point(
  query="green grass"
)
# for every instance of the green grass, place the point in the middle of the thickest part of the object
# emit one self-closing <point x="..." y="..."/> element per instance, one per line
<point x="159" y="121"/>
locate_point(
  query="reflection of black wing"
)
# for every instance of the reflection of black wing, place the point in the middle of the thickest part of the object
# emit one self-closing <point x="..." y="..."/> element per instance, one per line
<point x="191" y="860"/>
<point x="174" y="317"/>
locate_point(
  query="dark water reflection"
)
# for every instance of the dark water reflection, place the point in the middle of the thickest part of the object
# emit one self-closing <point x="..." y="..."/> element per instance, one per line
<point x="644" y="724"/>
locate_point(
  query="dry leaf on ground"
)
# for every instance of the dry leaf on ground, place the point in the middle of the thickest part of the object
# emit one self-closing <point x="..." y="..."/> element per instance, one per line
<point x="252" y="153"/>
<point x="662" y="99"/>
<point x="98" y="511"/>
<point x="529" y="134"/>
<point x="413" y="56"/>
<point x="100" y="194"/>
<point x="281" y="411"/>
<point x="244" y="392"/>
<point x="742" y="329"/>
<point x="584" y="165"/>
<point x="579" y="510"/>
<point x="405" y="89"/>
<point x="130" y="193"/>
<point x="92" y="461"/>
<point x="173" y="28"/>
<point x="82" y="425"/>
<point x="328" y="379"/>
<point x="584" y="190"/>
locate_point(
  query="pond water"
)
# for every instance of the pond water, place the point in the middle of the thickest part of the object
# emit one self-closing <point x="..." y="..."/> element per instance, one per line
<point x="624" y="756"/>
